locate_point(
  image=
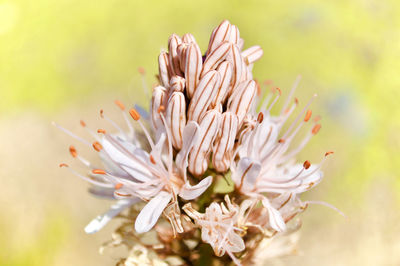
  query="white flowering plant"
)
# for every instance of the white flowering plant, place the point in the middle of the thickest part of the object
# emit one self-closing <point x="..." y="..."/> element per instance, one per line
<point x="216" y="177"/>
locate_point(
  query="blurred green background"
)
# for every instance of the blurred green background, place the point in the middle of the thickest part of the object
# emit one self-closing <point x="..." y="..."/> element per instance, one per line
<point x="64" y="60"/>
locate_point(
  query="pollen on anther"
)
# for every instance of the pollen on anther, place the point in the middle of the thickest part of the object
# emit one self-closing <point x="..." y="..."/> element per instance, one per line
<point x="315" y="129"/>
<point x="120" y="104"/>
<point x="279" y="90"/>
<point x="328" y="153"/>
<point x="308" y="116"/>
<point x="161" y="109"/>
<point x="260" y="117"/>
<point x="82" y="123"/>
<point x="97" y="146"/>
<point x="102" y="131"/>
<point x="63" y="165"/>
<point x="134" y="114"/>
<point x="141" y="71"/>
<point x="118" y="186"/>
<point x="281" y="140"/>
<point x="306" y="164"/>
<point x="72" y="151"/>
<point x="98" y="172"/>
<point x="152" y="159"/>
<point x="296" y="101"/>
<point x="101" y="113"/>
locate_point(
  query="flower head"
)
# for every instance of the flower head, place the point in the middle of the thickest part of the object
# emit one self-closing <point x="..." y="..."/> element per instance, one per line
<point x="206" y="119"/>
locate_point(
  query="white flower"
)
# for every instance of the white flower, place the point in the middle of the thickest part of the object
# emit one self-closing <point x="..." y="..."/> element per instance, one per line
<point x="204" y="119"/>
<point x="220" y="226"/>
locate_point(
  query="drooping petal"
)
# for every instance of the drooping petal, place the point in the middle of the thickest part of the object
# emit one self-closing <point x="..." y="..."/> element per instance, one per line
<point x="189" y="192"/>
<point x="101" y="220"/>
<point x="149" y="215"/>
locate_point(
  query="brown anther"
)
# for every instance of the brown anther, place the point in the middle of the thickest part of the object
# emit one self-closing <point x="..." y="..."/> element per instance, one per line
<point x="141" y="71"/>
<point x="118" y="186"/>
<point x="152" y="159"/>
<point x="311" y="185"/>
<point x="306" y="164"/>
<point x="98" y="172"/>
<point x="279" y="90"/>
<point x="328" y="153"/>
<point x="281" y="140"/>
<point x="82" y="123"/>
<point x="63" y="165"/>
<point x="161" y="109"/>
<point x="97" y="146"/>
<point x="134" y="114"/>
<point x="260" y="117"/>
<point x="315" y="129"/>
<point x="296" y="101"/>
<point x="102" y="113"/>
<point x="120" y="105"/>
<point x="102" y="131"/>
<point x="308" y="116"/>
<point x="73" y="152"/>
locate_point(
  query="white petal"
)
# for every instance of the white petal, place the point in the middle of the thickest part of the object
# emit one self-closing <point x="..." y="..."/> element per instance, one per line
<point x="117" y="151"/>
<point x="149" y="215"/>
<point x="101" y="220"/>
<point x="189" y="137"/>
<point x="189" y="192"/>
<point x="246" y="173"/>
<point x="275" y="217"/>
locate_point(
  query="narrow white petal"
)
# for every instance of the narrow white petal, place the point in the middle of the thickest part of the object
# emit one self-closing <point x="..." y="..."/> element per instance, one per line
<point x="246" y="174"/>
<point x="275" y="218"/>
<point x="189" y="192"/>
<point x="101" y="220"/>
<point x="149" y="215"/>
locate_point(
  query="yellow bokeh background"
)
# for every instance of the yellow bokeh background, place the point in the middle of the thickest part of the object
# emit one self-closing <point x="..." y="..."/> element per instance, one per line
<point x="64" y="60"/>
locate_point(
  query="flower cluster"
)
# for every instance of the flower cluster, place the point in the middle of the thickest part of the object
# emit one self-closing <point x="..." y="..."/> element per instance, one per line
<point x="207" y="120"/>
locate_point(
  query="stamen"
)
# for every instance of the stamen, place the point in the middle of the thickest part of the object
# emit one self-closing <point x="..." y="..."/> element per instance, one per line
<point x="71" y="134"/>
<point x="82" y="123"/>
<point x="134" y="114"/>
<point x="306" y="164"/>
<point x="120" y="105"/>
<point x="281" y="141"/>
<point x="101" y="131"/>
<point x="260" y="117"/>
<point x="118" y="186"/>
<point x="295" y="84"/>
<point x="315" y="129"/>
<point x="275" y="100"/>
<point x="328" y="153"/>
<point x="299" y="115"/>
<point x="97" y="146"/>
<point x="113" y="123"/>
<point x="161" y="109"/>
<point x="308" y="116"/>
<point x="152" y="159"/>
<point x="98" y="172"/>
<point x="72" y="151"/>
<point x="63" y="165"/>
